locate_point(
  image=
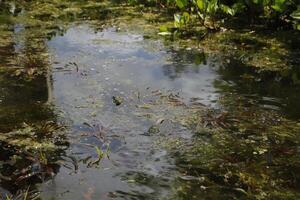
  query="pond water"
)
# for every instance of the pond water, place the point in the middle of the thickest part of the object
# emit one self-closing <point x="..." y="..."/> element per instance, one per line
<point x="122" y="64"/>
<point x="123" y="101"/>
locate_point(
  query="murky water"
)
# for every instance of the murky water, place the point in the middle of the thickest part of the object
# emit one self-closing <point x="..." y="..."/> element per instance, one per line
<point x="135" y="147"/>
<point x="90" y="68"/>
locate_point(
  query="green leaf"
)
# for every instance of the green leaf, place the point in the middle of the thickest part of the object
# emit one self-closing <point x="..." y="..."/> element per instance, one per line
<point x="177" y="18"/>
<point x="185" y="17"/>
<point x="226" y="9"/>
<point x="279" y="5"/>
<point x="259" y="2"/>
<point x="296" y="14"/>
<point x="163" y="29"/>
<point x="212" y="6"/>
<point x="201" y="5"/>
<point x="99" y="152"/>
<point x="181" y="3"/>
<point x="238" y="7"/>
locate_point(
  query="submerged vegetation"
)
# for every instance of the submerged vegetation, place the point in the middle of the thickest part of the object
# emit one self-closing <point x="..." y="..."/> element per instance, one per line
<point x="244" y="152"/>
<point x="161" y="143"/>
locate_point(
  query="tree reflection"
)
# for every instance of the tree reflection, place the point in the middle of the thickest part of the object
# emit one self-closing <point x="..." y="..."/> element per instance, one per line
<point x="267" y="89"/>
<point x="183" y="61"/>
